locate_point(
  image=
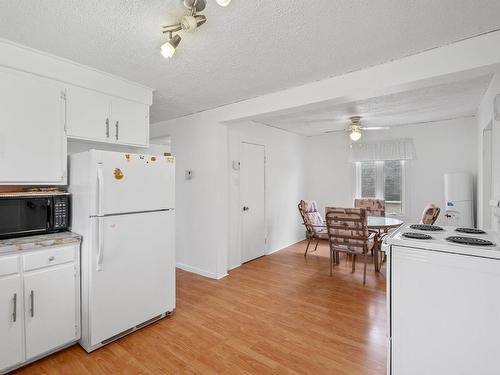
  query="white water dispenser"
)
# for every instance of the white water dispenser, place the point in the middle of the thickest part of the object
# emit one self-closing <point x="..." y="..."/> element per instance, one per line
<point x="459" y="194"/>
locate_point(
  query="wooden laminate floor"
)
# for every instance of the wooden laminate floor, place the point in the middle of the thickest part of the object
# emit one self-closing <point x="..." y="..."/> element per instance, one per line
<point x="279" y="314"/>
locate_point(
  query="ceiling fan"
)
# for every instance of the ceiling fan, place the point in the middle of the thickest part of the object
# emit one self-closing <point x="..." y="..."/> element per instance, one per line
<point x="355" y="128"/>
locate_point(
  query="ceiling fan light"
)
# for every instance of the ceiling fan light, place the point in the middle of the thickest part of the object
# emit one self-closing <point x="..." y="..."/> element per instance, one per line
<point x="355" y="135"/>
<point x="168" y="49"/>
<point x="223" y="3"/>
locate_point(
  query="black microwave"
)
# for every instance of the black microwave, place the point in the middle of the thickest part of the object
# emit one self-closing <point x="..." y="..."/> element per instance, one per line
<point x="23" y="215"/>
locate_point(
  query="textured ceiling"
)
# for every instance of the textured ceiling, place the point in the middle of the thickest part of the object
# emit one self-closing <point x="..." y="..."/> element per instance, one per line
<point x="245" y="50"/>
<point x="435" y="103"/>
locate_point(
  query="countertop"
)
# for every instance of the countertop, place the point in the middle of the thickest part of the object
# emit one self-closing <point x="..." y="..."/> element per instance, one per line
<point x="38" y="242"/>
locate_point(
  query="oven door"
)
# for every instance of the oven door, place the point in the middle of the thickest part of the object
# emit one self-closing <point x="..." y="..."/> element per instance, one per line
<point x="23" y="216"/>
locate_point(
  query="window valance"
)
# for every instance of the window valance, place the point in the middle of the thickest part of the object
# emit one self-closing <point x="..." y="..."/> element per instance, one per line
<point x="397" y="149"/>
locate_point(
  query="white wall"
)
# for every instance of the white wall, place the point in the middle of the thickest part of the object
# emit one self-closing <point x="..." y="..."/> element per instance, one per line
<point x="202" y="202"/>
<point x="448" y="146"/>
<point x="199" y="141"/>
<point x="285" y="185"/>
<point x="485" y="118"/>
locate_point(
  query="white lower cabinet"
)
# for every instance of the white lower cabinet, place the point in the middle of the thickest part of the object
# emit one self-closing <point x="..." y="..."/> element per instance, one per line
<point x="39" y="304"/>
<point x="11" y="322"/>
<point x="50" y="309"/>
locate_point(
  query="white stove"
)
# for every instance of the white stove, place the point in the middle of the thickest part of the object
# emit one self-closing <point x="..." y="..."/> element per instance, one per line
<point x="442" y="284"/>
<point x="466" y="241"/>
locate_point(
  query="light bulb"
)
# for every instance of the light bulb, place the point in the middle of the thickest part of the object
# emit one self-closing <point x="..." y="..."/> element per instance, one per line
<point x="223" y="3"/>
<point x="355" y="135"/>
<point x="168" y="49"/>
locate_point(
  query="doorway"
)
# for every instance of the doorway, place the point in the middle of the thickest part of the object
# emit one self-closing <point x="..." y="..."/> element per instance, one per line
<point x="252" y="201"/>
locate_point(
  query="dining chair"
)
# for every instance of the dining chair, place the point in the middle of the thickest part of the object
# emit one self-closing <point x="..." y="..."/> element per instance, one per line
<point x="348" y="233"/>
<point x="374" y="207"/>
<point x="313" y="222"/>
<point x="430" y="214"/>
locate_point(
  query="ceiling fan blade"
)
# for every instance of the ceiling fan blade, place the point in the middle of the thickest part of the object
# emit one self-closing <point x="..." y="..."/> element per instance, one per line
<point x="337" y="131"/>
<point x="375" y="128"/>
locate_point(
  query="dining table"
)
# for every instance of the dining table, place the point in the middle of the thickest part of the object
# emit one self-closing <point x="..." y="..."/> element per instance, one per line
<point x="381" y="224"/>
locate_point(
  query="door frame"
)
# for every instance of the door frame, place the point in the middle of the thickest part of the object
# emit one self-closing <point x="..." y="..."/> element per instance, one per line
<point x="265" y="203"/>
<point x="487" y="183"/>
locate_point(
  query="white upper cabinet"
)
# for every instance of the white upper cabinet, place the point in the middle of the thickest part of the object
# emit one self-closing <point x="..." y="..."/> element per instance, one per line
<point x="93" y="116"/>
<point x="88" y="115"/>
<point x="32" y="139"/>
<point x="130" y="122"/>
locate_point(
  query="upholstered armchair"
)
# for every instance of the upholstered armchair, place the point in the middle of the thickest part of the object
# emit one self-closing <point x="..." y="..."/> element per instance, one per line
<point x="430" y="214"/>
<point x="313" y="222"/>
<point x="348" y="233"/>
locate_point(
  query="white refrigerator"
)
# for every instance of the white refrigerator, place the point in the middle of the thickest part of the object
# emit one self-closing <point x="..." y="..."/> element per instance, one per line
<point x="123" y="206"/>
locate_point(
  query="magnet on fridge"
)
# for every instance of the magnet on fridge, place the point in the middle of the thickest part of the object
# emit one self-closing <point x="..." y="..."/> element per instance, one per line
<point x="118" y="173"/>
<point x="153" y="158"/>
<point x="127" y="156"/>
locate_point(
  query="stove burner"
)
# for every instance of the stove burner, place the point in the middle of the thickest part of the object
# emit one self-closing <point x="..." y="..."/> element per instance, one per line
<point x="417" y="236"/>
<point x="470" y="231"/>
<point x="469" y="241"/>
<point x="426" y="227"/>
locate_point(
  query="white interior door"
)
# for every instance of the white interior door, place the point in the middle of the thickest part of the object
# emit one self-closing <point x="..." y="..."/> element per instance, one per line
<point x="137" y="279"/>
<point x="252" y="199"/>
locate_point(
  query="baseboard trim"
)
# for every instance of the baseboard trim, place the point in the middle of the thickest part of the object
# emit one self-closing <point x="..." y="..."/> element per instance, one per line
<point x="198" y="271"/>
<point x="284" y="247"/>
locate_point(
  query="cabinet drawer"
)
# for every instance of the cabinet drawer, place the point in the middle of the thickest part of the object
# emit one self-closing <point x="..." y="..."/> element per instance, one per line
<point x="51" y="257"/>
<point x="9" y="265"/>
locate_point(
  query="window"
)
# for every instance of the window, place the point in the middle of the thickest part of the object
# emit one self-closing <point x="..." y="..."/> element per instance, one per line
<point x="383" y="180"/>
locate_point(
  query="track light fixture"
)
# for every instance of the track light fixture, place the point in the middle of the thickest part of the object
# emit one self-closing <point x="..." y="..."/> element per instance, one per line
<point x="168" y="49"/>
<point x="188" y="23"/>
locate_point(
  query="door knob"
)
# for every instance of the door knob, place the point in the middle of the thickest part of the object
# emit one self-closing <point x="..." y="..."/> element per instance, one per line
<point x="245" y="208"/>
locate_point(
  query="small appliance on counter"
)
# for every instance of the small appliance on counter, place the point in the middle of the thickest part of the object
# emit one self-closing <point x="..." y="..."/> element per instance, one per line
<point x="442" y="314"/>
<point x="34" y="212"/>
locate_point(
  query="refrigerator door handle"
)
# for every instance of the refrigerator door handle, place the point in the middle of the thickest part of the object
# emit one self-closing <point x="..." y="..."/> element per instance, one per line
<point x="100" y="244"/>
<point x="100" y="189"/>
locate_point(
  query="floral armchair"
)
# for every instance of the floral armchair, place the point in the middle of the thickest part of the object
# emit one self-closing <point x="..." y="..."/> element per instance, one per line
<point x="313" y="221"/>
<point x="430" y="214"/>
<point x="373" y="207"/>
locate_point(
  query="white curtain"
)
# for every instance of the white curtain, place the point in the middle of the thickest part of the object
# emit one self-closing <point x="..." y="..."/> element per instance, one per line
<point x="397" y="149"/>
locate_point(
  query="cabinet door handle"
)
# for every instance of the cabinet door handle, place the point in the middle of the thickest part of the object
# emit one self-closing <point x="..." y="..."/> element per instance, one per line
<point x="117" y="126"/>
<point x="14" y="311"/>
<point x="32" y="301"/>
<point x="107" y="127"/>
